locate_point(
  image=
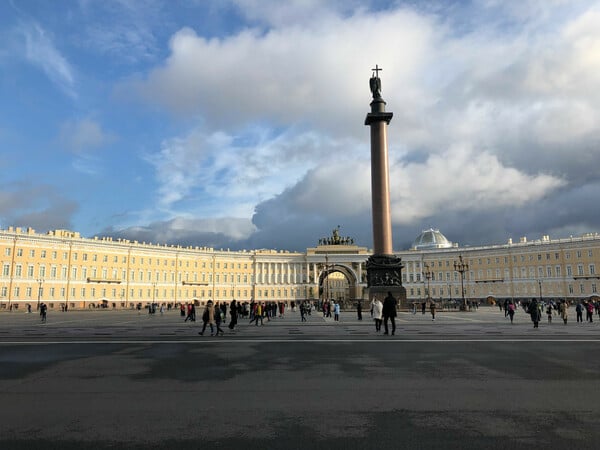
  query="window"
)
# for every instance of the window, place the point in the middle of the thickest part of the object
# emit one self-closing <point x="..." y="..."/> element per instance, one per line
<point x="558" y="271"/>
<point x="582" y="288"/>
<point x="7" y="251"/>
<point x="594" y="291"/>
<point x="579" y="253"/>
<point x="43" y="254"/>
<point x="31" y="253"/>
<point x="6" y="270"/>
<point x="569" y="271"/>
<point x="570" y="288"/>
<point x="19" y="252"/>
<point x="590" y="253"/>
<point x="580" y="269"/>
<point x="549" y="271"/>
<point x="85" y="256"/>
<point x="592" y="269"/>
<point x="30" y="271"/>
<point x="18" y="270"/>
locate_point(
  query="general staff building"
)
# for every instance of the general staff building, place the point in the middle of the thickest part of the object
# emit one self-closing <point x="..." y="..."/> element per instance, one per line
<point x="62" y="268"/>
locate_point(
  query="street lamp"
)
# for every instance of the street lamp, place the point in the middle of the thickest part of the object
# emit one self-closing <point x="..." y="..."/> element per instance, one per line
<point x="462" y="267"/>
<point x="40" y="281"/>
<point x="427" y="274"/>
<point x="540" y="285"/>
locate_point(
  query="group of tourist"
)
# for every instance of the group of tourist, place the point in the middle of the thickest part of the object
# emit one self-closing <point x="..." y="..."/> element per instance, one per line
<point x="385" y="311"/>
<point x="537" y="308"/>
<point x="329" y="307"/>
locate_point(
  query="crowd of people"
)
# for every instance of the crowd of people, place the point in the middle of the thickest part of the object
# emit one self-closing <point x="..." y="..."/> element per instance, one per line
<point x="537" y="308"/>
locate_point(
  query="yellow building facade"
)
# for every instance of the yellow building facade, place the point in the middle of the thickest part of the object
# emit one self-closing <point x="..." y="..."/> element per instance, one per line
<point x="62" y="268"/>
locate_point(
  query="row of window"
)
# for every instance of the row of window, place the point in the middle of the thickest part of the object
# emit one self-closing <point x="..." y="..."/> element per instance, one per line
<point x="93" y="273"/>
<point x="522" y="272"/>
<point x="115" y="259"/>
<point x="504" y="259"/>
<point x="148" y="294"/>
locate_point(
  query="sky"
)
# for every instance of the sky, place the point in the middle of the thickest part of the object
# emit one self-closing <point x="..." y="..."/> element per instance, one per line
<point x="239" y="124"/>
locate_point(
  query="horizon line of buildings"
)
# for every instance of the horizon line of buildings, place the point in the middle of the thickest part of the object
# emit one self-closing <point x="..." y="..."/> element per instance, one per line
<point x="63" y="268"/>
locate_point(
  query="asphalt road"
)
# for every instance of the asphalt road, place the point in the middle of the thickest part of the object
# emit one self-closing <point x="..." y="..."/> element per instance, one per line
<point x="116" y="379"/>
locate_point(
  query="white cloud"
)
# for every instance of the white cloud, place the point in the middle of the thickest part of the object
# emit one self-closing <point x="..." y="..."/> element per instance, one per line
<point x="83" y="135"/>
<point x="41" y="51"/>
<point x="487" y="115"/>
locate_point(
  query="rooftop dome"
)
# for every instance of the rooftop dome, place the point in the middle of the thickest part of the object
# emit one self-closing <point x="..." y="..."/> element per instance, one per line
<point x="431" y="239"/>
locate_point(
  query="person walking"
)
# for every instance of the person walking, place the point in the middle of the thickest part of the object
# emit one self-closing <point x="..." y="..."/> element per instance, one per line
<point x="377" y="310"/>
<point x="258" y="314"/>
<point x="579" y="311"/>
<point x="534" y="312"/>
<point x="43" y="312"/>
<point x="218" y="319"/>
<point x="208" y="318"/>
<point x="359" y="310"/>
<point x="432" y="309"/>
<point x="589" y="308"/>
<point x="549" y="312"/>
<point x="336" y="312"/>
<point x="511" y="311"/>
<point x="389" y="312"/>
<point x="233" y="313"/>
<point x="563" y="306"/>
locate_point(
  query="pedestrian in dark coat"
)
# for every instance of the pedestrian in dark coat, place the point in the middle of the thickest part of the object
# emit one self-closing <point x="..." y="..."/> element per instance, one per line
<point x="233" y="313"/>
<point x="534" y="312"/>
<point x="389" y="312"/>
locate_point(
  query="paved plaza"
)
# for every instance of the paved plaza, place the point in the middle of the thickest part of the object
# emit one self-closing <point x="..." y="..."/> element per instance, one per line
<point x="468" y="380"/>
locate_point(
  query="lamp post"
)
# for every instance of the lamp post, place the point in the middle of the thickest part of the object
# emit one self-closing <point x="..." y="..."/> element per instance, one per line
<point x="540" y="285"/>
<point x="40" y="281"/>
<point x="462" y="267"/>
<point x="427" y="274"/>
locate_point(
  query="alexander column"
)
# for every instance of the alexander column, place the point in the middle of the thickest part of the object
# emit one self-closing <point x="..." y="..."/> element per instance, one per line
<point x="384" y="269"/>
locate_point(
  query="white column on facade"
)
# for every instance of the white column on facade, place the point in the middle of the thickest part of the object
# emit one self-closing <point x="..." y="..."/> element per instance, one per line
<point x="287" y="272"/>
<point x="295" y="274"/>
<point x="316" y="275"/>
<point x="306" y="272"/>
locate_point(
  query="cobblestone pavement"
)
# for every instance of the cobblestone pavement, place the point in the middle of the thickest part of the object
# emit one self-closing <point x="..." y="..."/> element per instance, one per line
<point x="486" y="323"/>
<point x="116" y="379"/>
